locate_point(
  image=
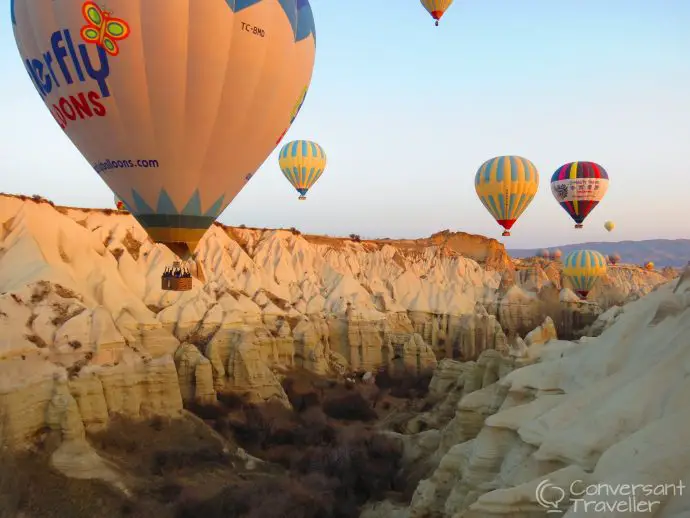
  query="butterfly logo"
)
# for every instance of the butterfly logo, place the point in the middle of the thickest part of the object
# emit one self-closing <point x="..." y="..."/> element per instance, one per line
<point x="103" y="29"/>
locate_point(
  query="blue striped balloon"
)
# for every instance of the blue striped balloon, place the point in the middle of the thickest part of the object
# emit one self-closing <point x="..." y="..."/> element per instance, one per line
<point x="302" y="163"/>
<point x="583" y="268"/>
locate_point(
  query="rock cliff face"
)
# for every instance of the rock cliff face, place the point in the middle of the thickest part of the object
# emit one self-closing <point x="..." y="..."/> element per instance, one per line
<point x="82" y="312"/>
<point x="601" y="412"/>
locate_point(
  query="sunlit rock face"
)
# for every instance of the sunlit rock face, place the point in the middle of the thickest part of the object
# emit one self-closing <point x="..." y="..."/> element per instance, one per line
<point x="81" y="307"/>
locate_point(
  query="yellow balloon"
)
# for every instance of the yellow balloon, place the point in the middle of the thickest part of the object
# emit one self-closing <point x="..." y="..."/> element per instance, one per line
<point x="506" y="185"/>
<point x="175" y="104"/>
<point x="649" y="265"/>
<point x="302" y="163"/>
<point x="609" y="225"/>
<point x="436" y="8"/>
<point x="583" y="268"/>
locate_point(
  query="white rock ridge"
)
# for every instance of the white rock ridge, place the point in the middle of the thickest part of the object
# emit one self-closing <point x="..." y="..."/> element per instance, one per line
<point x="81" y="300"/>
<point x="606" y="413"/>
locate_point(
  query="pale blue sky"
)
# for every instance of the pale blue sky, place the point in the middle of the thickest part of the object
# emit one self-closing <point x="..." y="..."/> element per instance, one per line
<point x="407" y="112"/>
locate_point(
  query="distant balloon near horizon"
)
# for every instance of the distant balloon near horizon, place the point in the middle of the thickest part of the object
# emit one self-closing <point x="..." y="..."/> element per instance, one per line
<point x="544" y="253"/>
<point x="506" y="185"/>
<point x="302" y="163"/>
<point x="649" y="265"/>
<point x="609" y="225"/>
<point x="583" y="268"/>
<point x="578" y="187"/>
<point x="557" y="254"/>
<point x="436" y="8"/>
<point x="119" y="204"/>
<point x="614" y="258"/>
<point x="174" y="104"/>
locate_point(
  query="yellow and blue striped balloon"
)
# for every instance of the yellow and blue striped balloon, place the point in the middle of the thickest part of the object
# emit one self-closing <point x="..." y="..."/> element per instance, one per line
<point x="582" y="268"/>
<point x="506" y="185"/>
<point x="436" y="8"/>
<point x="302" y="163"/>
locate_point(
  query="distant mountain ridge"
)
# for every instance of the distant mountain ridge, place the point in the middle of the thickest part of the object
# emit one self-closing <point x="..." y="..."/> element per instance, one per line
<point x="663" y="252"/>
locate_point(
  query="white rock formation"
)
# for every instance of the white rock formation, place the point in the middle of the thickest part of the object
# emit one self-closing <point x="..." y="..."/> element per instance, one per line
<point x="81" y="299"/>
<point x="605" y="413"/>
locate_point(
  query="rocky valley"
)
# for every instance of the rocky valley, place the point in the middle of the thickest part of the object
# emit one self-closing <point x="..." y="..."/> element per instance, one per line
<point x="90" y="345"/>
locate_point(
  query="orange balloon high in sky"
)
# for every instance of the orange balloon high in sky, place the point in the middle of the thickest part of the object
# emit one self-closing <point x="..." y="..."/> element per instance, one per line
<point x="174" y="104"/>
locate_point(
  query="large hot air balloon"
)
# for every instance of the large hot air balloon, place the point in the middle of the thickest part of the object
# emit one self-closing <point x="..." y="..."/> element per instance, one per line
<point x="302" y="163"/>
<point x="119" y="204"/>
<point x="506" y="185"/>
<point x="579" y="187"/>
<point x="609" y="225"/>
<point x="175" y="104"/>
<point x="436" y="8"/>
<point x="582" y="268"/>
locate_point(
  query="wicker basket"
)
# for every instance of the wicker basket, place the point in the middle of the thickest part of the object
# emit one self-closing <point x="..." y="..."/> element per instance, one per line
<point x="176" y="284"/>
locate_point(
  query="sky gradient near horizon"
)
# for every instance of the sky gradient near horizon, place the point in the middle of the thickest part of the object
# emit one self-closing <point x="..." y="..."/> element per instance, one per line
<point x="407" y="112"/>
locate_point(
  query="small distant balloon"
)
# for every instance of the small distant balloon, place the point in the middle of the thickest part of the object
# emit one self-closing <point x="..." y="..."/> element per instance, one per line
<point x="649" y="265"/>
<point x="119" y="204"/>
<point x="583" y="268"/>
<point x="609" y="225"/>
<point x="544" y="253"/>
<point x="614" y="258"/>
<point x="557" y="254"/>
<point x="436" y="8"/>
<point x="579" y="187"/>
<point x="506" y="185"/>
<point x="302" y="163"/>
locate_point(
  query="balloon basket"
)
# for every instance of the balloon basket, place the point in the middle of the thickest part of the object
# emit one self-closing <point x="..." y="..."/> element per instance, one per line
<point x="505" y="233"/>
<point x="302" y="198"/>
<point x="176" y="284"/>
<point x="436" y="23"/>
<point x="579" y="225"/>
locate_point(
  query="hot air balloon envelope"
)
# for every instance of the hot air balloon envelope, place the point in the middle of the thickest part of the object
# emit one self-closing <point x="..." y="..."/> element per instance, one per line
<point x="506" y="186"/>
<point x="579" y="187"/>
<point x="119" y="204"/>
<point x="609" y="225"/>
<point x="436" y="8"/>
<point x="582" y="268"/>
<point x="302" y="163"/>
<point x="614" y="258"/>
<point x="174" y="104"/>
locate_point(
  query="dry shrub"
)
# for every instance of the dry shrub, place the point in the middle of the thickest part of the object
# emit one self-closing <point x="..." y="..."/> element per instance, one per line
<point x="409" y="386"/>
<point x="159" y="446"/>
<point x="349" y="407"/>
<point x="41" y="291"/>
<point x="270" y="497"/>
<point x="334" y="466"/>
<point x="37" y="341"/>
<point x="132" y="245"/>
<point x="30" y="487"/>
